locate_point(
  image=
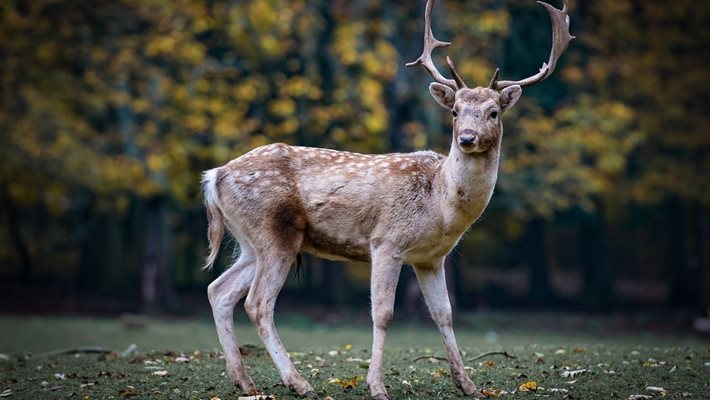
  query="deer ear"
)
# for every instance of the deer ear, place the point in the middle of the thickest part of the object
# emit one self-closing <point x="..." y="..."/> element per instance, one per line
<point x="509" y="96"/>
<point x="443" y="95"/>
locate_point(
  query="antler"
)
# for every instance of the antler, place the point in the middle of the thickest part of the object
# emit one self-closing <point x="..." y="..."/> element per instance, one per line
<point x="560" y="40"/>
<point x="430" y="43"/>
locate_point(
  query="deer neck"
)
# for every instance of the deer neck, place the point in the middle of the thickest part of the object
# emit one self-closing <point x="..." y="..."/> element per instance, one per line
<point x="466" y="185"/>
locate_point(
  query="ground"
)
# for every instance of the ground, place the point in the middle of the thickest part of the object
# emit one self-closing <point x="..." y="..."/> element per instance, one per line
<point x="180" y="359"/>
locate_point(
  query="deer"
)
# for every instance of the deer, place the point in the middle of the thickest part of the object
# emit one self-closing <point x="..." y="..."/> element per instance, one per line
<point x="388" y="210"/>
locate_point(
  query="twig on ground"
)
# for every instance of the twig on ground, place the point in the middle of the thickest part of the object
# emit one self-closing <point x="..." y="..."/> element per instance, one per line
<point x="491" y="353"/>
<point x="478" y="357"/>
<point x="90" y="350"/>
<point x="426" y="357"/>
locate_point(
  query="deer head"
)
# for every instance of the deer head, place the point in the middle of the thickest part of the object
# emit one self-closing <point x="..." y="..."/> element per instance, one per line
<point x="477" y="112"/>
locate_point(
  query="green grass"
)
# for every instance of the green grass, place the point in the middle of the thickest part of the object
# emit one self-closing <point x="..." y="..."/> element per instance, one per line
<point x="618" y="365"/>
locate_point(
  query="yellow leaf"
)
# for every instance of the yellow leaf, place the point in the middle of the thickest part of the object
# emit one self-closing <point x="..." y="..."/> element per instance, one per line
<point x="346" y="383"/>
<point x="529" y="386"/>
<point x="491" y="393"/>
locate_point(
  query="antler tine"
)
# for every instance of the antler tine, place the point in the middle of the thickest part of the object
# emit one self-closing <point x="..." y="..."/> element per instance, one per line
<point x="459" y="82"/>
<point x="560" y="40"/>
<point x="430" y="43"/>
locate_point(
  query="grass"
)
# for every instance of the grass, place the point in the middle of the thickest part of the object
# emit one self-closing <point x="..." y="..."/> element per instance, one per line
<point x="185" y="355"/>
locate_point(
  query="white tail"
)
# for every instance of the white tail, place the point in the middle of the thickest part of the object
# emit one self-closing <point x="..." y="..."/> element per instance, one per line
<point x="389" y="209"/>
<point x="215" y="230"/>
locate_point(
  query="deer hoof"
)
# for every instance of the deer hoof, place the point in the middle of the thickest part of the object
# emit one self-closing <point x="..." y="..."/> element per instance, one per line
<point x="380" y="396"/>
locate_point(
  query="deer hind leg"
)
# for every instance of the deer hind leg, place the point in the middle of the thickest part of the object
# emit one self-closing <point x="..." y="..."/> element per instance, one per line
<point x="383" y="283"/>
<point x="224" y="293"/>
<point x="272" y="269"/>
<point x="432" y="280"/>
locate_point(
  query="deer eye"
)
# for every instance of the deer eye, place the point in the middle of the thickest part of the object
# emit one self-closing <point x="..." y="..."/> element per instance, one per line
<point x="494" y="114"/>
<point x="454" y="113"/>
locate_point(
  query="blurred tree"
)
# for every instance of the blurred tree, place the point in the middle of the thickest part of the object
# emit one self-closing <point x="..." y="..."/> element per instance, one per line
<point x="109" y="111"/>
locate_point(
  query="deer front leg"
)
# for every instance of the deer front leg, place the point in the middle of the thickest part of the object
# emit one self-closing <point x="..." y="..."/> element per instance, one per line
<point x="432" y="280"/>
<point x="386" y="267"/>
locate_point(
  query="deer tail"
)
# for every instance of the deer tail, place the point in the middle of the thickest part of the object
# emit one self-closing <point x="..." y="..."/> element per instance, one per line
<point x="215" y="220"/>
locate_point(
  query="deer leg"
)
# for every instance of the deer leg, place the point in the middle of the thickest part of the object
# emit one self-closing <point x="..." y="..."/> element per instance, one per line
<point x="432" y="280"/>
<point x="383" y="283"/>
<point x="272" y="271"/>
<point x="224" y="293"/>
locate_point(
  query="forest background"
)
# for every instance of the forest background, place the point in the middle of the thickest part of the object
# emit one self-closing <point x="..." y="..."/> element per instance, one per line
<point x="109" y="111"/>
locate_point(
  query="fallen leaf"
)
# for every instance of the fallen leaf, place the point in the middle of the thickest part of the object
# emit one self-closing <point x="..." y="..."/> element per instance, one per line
<point x="639" y="397"/>
<point x="560" y="352"/>
<point x="492" y="393"/>
<point x="6" y="393"/>
<point x="160" y="373"/>
<point x="556" y="390"/>
<point x="489" y="363"/>
<point x="128" y="392"/>
<point x="357" y="359"/>
<point x="657" y="389"/>
<point x="258" y="397"/>
<point x="347" y="347"/>
<point x="572" y="374"/>
<point x="529" y="386"/>
<point x="439" y="372"/>
<point x="346" y="383"/>
<point x="182" y="359"/>
<point x="579" y="350"/>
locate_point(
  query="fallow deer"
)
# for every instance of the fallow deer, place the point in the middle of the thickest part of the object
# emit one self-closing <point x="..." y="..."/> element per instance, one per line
<point x="388" y="209"/>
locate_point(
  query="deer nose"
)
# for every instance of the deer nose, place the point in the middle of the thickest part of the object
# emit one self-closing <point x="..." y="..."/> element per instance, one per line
<point x="468" y="137"/>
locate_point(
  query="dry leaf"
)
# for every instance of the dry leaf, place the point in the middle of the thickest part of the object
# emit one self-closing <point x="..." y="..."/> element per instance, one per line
<point x="572" y="374"/>
<point x="489" y="363"/>
<point x="656" y="389"/>
<point x="258" y="397"/>
<point x="160" y="373"/>
<point x="346" y="383"/>
<point x="128" y="392"/>
<point x="639" y="397"/>
<point x="6" y="393"/>
<point x="492" y="393"/>
<point x="529" y="386"/>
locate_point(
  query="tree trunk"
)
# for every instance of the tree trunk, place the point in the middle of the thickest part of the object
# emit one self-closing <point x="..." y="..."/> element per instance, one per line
<point x="15" y="234"/>
<point x="683" y="264"/>
<point x="157" y="286"/>
<point x="540" y="292"/>
<point x="598" y="293"/>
